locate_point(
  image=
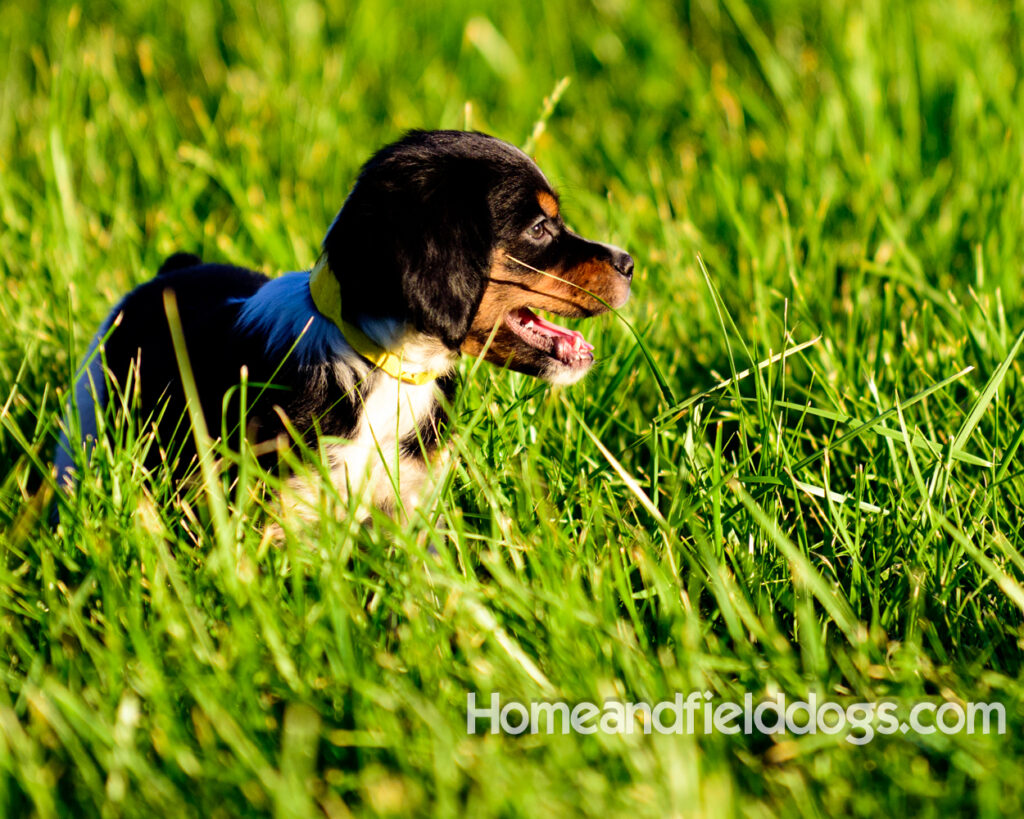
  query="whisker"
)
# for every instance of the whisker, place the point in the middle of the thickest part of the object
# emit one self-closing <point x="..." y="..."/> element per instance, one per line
<point x="571" y="284"/>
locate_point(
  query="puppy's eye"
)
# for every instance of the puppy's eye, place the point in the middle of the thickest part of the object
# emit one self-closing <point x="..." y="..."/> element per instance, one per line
<point x="538" y="230"/>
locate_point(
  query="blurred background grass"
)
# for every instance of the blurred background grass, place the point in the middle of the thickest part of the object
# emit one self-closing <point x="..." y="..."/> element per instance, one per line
<point x="849" y="170"/>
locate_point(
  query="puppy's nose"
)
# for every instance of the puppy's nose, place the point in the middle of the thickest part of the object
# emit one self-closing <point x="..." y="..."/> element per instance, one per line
<point x="622" y="262"/>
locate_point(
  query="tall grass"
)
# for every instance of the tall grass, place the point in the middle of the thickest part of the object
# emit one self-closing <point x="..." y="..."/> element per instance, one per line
<point x="794" y="469"/>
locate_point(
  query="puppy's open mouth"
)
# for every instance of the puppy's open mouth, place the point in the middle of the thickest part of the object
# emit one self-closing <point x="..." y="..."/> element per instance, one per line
<point x="568" y="347"/>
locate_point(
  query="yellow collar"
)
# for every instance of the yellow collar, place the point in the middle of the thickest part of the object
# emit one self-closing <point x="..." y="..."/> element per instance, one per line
<point x="326" y="293"/>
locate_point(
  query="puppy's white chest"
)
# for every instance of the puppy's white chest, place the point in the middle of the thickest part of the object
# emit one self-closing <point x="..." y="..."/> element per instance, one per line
<point x="389" y="414"/>
<point x="371" y="465"/>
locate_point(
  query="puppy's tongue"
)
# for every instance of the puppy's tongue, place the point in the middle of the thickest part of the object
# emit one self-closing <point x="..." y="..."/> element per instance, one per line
<point x="565" y="340"/>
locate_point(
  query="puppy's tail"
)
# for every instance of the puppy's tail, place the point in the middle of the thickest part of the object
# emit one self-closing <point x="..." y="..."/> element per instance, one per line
<point x="179" y="261"/>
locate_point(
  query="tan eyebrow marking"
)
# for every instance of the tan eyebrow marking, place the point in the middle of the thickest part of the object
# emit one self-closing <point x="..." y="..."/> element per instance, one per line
<point x="548" y="204"/>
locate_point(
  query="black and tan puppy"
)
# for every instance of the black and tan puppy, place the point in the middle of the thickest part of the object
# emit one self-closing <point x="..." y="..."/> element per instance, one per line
<point x="448" y="243"/>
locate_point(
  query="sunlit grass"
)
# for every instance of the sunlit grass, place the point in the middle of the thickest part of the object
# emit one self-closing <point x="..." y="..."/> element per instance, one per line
<point x="805" y="479"/>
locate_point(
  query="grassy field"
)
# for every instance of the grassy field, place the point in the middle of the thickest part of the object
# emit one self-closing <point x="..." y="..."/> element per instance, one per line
<point x="834" y="190"/>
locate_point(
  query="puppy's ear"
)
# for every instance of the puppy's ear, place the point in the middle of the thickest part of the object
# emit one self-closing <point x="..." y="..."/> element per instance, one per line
<point x="447" y="242"/>
<point x="413" y="242"/>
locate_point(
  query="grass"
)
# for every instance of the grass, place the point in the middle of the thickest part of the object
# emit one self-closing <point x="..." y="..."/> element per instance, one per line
<point x="831" y="190"/>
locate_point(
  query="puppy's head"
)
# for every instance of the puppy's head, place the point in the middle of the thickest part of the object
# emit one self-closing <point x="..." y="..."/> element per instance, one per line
<point x="459" y="236"/>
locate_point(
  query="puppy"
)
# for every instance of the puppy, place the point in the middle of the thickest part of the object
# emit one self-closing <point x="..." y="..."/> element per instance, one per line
<point x="447" y="244"/>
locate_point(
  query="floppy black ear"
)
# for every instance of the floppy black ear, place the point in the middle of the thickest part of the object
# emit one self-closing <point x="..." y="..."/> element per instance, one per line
<point x="413" y="242"/>
<point x="447" y="247"/>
